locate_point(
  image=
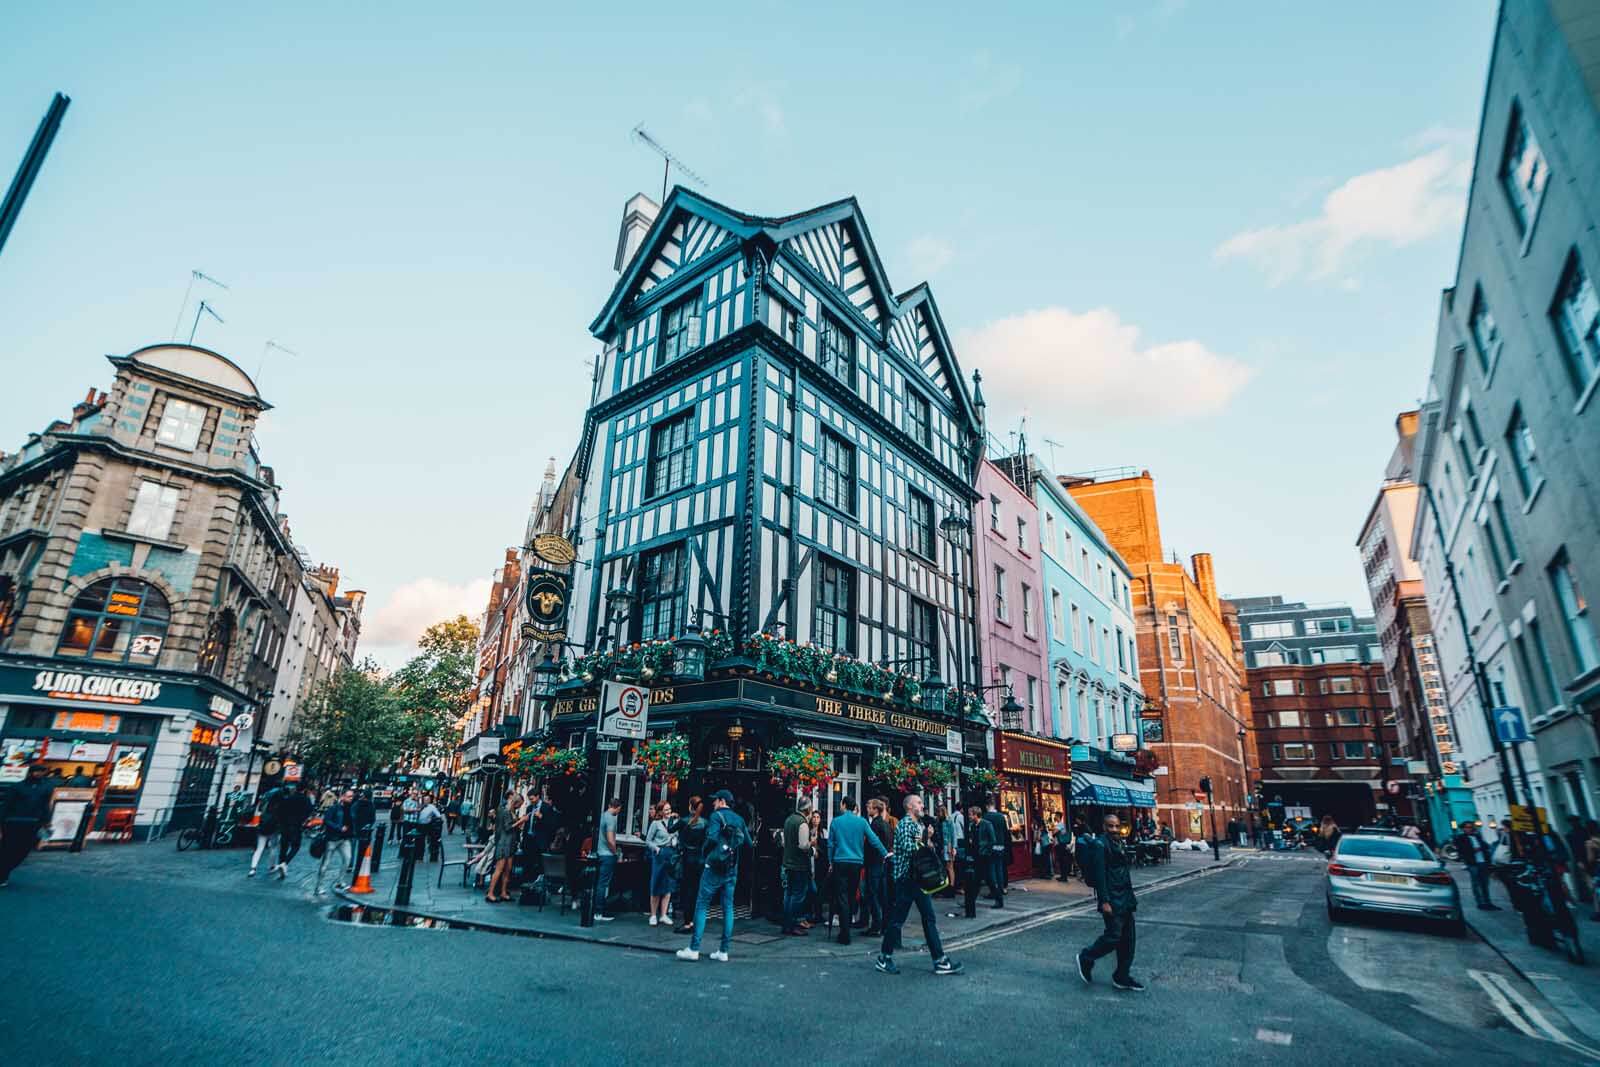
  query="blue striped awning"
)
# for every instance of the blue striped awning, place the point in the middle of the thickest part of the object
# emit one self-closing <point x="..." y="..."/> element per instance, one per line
<point x="1141" y="794"/>
<point x="1091" y="788"/>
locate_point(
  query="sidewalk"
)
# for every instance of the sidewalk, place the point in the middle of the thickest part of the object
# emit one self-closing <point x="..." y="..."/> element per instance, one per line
<point x="466" y="908"/>
<point x="1572" y="989"/>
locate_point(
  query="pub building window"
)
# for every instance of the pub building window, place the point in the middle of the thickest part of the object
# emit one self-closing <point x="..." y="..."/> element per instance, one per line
<point x="680" y="330"/>
<point x="1576" y="311"/>
<point x="663" y="593"/>
<point x="218" y="642"/>
<point x="837" y="350"/>
<point x="833" y="607"/>
<point x="8" y="605"/>
<point x="116" y="620"/>
<point x="920" y="508"/>
<point x="836" y="472"/>
<point x="1523" y="171"/>
<point x="181" y="423"/>
<point x="671" y="454"/>
<point x="1174" y="641"/>
<point x="153" y="510"/>
<point x="919" y="419"/>
<point x="923" y="637"/>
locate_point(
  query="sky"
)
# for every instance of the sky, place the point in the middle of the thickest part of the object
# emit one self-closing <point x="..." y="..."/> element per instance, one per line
<point x="1205" y="239"/>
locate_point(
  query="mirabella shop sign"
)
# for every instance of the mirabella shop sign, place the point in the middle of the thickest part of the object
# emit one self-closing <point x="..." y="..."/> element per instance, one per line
<point x="67" y="685"/>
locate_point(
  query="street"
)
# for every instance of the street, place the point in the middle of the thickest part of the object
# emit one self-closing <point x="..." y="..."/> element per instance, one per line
<point x="207" y="966"/>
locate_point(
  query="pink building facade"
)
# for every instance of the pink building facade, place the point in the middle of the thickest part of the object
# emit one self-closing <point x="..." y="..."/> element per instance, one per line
<point x="1011" y="627"/>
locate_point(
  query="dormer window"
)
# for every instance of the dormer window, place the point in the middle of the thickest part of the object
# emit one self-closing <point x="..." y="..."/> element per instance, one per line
<point x="181" y="423"/>
<point x="680" y="330"/>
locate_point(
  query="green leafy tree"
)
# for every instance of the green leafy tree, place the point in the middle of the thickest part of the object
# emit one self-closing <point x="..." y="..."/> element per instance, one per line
<point x="354" y="723"/>
<point x="435" y="686"/>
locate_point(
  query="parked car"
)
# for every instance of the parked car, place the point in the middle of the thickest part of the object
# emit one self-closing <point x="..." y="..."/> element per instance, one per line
<point x="1383" y="872"/>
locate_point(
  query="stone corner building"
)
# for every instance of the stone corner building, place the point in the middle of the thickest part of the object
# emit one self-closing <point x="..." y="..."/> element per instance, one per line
<point x="146" y="582"/>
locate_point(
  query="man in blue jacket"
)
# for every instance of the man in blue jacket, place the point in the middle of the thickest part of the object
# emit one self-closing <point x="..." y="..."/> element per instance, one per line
<point x="850" y="839"/>
<point x="338" y="830"/>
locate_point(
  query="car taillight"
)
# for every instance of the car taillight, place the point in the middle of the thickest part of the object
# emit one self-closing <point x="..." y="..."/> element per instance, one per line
<point x="1347" y="872"/>
<point x="1434" y="878"/>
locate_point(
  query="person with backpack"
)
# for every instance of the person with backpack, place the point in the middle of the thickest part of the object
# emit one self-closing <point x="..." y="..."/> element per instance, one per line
<point x="913" y="864"/>
<point x="1108" y="868"/>
<point x="726" y="836"/>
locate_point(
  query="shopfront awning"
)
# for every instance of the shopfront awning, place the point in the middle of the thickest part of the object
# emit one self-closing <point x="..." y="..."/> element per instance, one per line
<point x="1091" y="788"/>
<point x="1140" y="794"/>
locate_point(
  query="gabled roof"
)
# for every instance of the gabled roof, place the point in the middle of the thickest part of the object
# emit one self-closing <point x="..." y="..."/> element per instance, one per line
<point x="777" y="230"/>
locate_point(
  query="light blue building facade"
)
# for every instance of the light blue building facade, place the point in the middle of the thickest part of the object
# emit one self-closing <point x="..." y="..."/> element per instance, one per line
<point x="1088" y="610"/>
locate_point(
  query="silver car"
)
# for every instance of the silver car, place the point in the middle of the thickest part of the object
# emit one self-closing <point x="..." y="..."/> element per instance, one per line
<point x="1393" y="874"/>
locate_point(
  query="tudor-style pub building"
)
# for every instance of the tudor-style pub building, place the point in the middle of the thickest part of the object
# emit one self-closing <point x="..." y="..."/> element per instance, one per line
<point x="146" y="579"/>
<point x="780" y="450"/>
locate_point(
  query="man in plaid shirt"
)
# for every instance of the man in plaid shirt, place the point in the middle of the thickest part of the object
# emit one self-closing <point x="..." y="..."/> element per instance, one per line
<point x="908" y="837"/>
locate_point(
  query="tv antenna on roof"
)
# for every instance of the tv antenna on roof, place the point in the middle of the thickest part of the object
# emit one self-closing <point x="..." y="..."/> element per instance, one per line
<point x="262" y="362"/>
<point x="203" y="309"/>
<point x="670" y="160"/>
<point x="194" y="276"/>
<point x="1054" y="444"/>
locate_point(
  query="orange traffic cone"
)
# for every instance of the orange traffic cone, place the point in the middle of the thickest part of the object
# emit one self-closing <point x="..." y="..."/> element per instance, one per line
<point x="363" y="882"/>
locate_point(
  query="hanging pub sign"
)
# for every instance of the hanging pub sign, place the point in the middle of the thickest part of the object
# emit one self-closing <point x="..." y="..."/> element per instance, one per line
<point x="547" y="606"/>
<point x="554" y="549"/>
<point x="1154" y="731"/>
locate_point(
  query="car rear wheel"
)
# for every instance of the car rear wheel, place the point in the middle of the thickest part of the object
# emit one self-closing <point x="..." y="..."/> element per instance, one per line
<point x="1455" y="927"/>
<point x="1335" y="915"/>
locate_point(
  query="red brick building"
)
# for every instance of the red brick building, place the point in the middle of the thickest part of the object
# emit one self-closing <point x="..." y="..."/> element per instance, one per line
<point x="1197" y="719"/>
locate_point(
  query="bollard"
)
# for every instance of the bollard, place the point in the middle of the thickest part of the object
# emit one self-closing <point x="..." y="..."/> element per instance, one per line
<point x="410" y="839"/>
<point x="591" y="872"/>
<point x="377" y="849"/>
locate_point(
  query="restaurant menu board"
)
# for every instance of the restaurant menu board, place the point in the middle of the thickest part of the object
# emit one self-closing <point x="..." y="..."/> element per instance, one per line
<point x="67" y="811"/>
<point x="15" y="755"/>
<point x="1011" y="807"/>
<point x="125" y="773"/>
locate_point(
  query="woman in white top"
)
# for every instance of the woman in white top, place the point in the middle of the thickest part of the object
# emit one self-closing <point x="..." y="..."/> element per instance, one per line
<point x="662" y="842"/>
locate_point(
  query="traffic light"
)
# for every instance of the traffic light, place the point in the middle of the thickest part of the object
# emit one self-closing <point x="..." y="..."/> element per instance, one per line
<point x="1205" y="785"/>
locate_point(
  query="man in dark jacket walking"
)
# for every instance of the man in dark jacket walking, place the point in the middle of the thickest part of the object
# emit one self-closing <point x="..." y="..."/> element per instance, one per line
<point x="365" y="816"/>
<point x="338" y="829"/>
<point x="1474" y="852"/>
<point x="24" y="809"/>
<point x="293" y="810"/>
<point x="999" y="848"/>
<point x="1109" y="871"/>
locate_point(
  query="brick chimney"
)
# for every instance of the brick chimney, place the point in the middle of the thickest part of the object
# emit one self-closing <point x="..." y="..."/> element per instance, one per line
<point x="1206" y="579"/>
<point x="638" y="214"/>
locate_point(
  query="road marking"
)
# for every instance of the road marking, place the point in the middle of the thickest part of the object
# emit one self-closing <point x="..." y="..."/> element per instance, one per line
<point x="1274" y="1037"/>
<point x="1522" y="1014"/>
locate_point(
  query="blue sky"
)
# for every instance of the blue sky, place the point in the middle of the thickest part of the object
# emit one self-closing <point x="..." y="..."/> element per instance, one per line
<point x="1249" y="207"/>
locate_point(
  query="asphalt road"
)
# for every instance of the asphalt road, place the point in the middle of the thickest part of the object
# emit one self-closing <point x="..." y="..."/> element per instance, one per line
<point x="113" y="957"/>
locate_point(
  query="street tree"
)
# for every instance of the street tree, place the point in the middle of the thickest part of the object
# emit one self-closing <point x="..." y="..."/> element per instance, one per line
<point x="354" y="723"/>
<point x="435" y="686"/>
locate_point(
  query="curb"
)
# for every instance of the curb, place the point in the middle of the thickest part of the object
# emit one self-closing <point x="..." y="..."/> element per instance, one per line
<point x="555" y="935"/>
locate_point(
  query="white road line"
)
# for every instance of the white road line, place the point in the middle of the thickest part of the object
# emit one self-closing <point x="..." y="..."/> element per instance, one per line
<point x="1274" y="1037"/>
<point x="1503" y="1005"/>
<point x="1539" y="1018"/>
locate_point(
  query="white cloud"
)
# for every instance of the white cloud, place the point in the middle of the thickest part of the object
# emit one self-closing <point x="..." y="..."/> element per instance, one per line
<point x="1092" y="366"/>
<point x="928" y="255"/>
<point x="1396" y="206"/>
<point x="419" y="604"/>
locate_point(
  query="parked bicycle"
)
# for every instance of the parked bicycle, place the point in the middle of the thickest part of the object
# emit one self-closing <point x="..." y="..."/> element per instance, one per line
<point x="195" y="836"/>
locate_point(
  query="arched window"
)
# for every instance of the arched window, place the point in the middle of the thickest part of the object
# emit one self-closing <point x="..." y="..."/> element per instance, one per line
<point x="219" y="640"/>
<point x="117" y="620"/>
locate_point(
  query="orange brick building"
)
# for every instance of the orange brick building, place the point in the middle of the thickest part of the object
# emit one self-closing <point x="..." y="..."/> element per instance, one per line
<point x="1191" y="660"/>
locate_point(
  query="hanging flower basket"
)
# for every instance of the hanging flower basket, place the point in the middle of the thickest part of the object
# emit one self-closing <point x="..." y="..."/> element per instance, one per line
<point x="800" y="768"/>
<point x="646" y="659"/>
<point x="559" y="763"/>
<point x="665" y="757"/>
<point x="985" y="779"/>
<point x="895" y="772"/>
<point x="936" y="775"/>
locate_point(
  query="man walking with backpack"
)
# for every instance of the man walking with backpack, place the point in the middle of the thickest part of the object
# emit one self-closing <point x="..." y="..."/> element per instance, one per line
<point x="907" y="890"/>
<point x="1107" y="868"/>
<point x="726" y="835"/>
<point x="294" y="808"/>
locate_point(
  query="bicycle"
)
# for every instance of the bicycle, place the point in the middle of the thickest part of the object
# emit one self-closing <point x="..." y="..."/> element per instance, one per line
<point x="1547" y="913"/>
